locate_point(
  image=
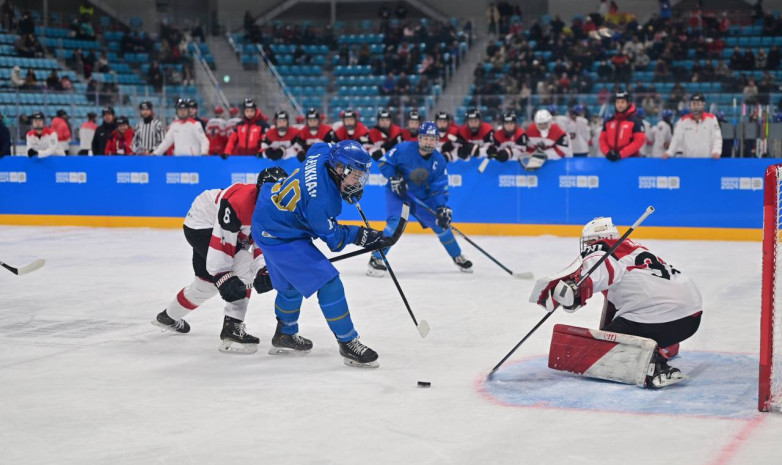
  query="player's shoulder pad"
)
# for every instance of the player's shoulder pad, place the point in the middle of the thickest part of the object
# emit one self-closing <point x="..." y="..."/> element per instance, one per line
<point x="228" y="218"/>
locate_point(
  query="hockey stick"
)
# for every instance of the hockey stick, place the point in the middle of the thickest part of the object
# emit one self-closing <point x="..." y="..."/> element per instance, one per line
<point x="423" y="326"/>
<point x="29" y="268"/>
<point x="649" y="211"/>
<point x="400" y="228"/>
<point x="519" y="275"/>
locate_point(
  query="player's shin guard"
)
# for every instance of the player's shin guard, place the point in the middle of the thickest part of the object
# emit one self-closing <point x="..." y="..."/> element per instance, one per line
<point x="190" y="298"/>
<point x="334" y="306"/>
<point x="448" y="240"/>
<point x="287" y="307"/>
<point x="238" y="309"/>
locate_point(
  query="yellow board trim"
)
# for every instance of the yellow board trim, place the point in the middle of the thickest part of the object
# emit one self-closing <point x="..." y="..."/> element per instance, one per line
<point x="478" y="229"/>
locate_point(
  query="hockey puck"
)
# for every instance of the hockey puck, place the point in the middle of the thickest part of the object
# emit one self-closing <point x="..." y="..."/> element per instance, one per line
<point x="424" y="384"/>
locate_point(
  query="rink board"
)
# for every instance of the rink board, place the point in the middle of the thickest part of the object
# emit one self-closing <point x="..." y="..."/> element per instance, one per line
<point x="698" y="199"/>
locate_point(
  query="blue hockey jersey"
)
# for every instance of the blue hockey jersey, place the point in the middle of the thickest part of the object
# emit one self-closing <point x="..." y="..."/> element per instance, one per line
<point x="427" y="178"/>
<point x="305" y="205"/>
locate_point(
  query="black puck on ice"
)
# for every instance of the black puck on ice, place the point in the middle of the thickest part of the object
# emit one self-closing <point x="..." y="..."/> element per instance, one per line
<point x="424" y="384"/>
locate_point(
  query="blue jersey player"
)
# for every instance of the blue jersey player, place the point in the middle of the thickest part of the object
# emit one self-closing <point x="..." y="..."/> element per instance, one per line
<point x="288" y="216"/>
<point x="418" y="169"/>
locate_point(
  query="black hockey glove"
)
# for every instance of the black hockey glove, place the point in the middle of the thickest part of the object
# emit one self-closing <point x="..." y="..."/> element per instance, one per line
<point x="32" y="153"/>
<point x="614" y="155"/>
<point x="377" y="155"/>
<point x="230" y="286"/>
<point x="224" y="156"/>
<point x="371" y="238"/>
<point x="491" y="151"/>
<point x="447" y="147"/>
<point x="262" y="282"/>
<point x="353" y="197"/>
<point x="274" y="153"/>
<point x="444" y="216"/>
<point x="301" y="155"/>
<point x="398" y="185"/>
<point x="465" y="150"/>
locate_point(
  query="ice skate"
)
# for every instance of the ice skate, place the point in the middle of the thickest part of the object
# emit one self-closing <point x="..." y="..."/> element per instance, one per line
<point x="235" y="339"/>
<point x="376" y="267"/>
<point x="289" y="344"/>
<point x="356" y="354"/>
<point x="661" y="374"/>
<point x="464" y="264"/>
<point x="169" y="324"/>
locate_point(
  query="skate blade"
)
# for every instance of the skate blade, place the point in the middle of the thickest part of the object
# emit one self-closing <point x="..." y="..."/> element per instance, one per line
<point x="287" y="352"/>
<point x="355" y="364"/>
<point x="465" y="270"/>
<point x="165" y="328"/>
<point x="669" y="382"/>
<point x="375" y="273"/>
<point x="237" y="348"/>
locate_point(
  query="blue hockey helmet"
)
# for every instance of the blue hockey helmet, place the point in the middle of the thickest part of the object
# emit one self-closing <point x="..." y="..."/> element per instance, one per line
<point x="427" y="137"/>
<point x="428" y="128"/>
<point x="667" y="114"/>
<point x="552" y="109"/>
<point x="578" y="109"/>
<point x="349" y="164"/>
<point x="640" y="112"/>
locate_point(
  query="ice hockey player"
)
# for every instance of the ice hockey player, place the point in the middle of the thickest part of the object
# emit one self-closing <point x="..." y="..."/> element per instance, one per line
<point x="474" y="136"/>
<point x="646" y="148"/>
<point x="623" y="133"/>
<point x="288" y="215"/>
<point x="384" y="136"/>
<point x="185" y="134"/>
<point x="652" y="299"/>
<point x="121" y="140"/>
<point x="578" y="130"/>
<point x="192" y="110"/>
<point x="510" y="140"/>
<point x="247" y="136"/>
<point x="418" y="169"/>
<point x="314" y="131"/>
<point x="545" y="141"/>
<point x="659" y="137"/>
<point x="280" y="141"/>
<point x="41" y="141"/>
<point x="698" y="134"/>
<point x="232" y="121"/>
<point x="216" y="132"/>
<point x="448" y="135"/>
<point x="410" y="133"/>
<point x="225" y="257"/>
<point x="352" y="128"/>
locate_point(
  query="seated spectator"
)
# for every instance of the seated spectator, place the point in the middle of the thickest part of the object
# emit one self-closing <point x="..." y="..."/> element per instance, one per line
<point x="103" y="63"/>
<point x="30" y="81"/>
<point x="28" y="46"/>
<point x="403" y="84"/>
<point x="16" y="77"/>
<point x="761" y="59"/>
<point x="604" y="71"/>
<point x="53" y="82"/>
<point x="773" y="59"/>
<point x="66" y="83"/>
<point x="364" y="55"/>
<point x="299" y="56"/>
<point x="389" y="84"/>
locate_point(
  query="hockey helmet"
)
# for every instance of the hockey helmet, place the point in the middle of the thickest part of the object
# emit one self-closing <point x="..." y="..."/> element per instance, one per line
<point x="233" y="111"/>
<point x="473" y="113"/>
<point x="442" y="116"/>
<point x="667" y="114"/>
<point x="181" y="103"/>
<point x="383" y="113"/>
<point x="122" y="120"/>
<point x="427" y="137"/>
<point x="543" y="119"/>
<point x="349" y="164"/>
<point x="249" y="103"/>
<point x="37" y="115"/>
<point x="598" y="229"/>
<point x="622" y="94"/>
<point x="107" y="109"/>
<point x="640" y="112"/>
<point x="313" y="113"/>
<point x="413" y="115"/>
<point x="577" y="109"/>
<point x="219" y="110"/>
<point x="552" y="109"/>
<point x="349" y="113"/>
<point x="272" y="175"/>
<point x="191" y="103"/>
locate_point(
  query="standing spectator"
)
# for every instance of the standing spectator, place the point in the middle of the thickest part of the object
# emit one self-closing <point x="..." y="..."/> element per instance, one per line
<point x="41" y="141"/>
<point x="623" y="133"/>
<point x="89" y="64"/>
<point x="149" y="131"/>
<point x="492" y="18"/>
<point x="698" y="134"/>
<point x="155" y="76"/>
<point x="86" y="134"/>
<point x="26" y="24"/>
<point x="5" y="138"/>
<point x="121" y="140"/>
<point x="103" y="132"/>
<point x="62" y="128"/>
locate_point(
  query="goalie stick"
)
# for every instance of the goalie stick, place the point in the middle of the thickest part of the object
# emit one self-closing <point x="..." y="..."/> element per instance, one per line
<point x="29" y="268"/>
<point x="519" y="275"/>
<point x="649" y="211"/>
<point x="422" y="326"/>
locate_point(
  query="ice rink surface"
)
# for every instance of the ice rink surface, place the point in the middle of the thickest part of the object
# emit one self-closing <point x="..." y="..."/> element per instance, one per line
<point x="86" y="379"/>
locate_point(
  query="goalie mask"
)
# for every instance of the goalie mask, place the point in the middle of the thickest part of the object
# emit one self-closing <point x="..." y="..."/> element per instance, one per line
<point x="598" y="229"/>
<point x="543" y="122"/>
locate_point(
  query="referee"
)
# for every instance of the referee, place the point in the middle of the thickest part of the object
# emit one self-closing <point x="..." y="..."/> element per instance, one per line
<point x="149" y="131"/>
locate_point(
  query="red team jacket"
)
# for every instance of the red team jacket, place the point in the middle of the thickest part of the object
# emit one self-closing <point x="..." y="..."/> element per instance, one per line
<point x="394" y="135"/>
<point x="623" y="132"/>
<point x="120" y="144"/>
<point x="246" y="138"/>
<point x="518" y="137"/>
<point x="307" y="138"/>
<point x="556" y="140"/>
<point x="217" y="134"/>
<point x="484" y="133"/>
<point x="360" y="133"/>
<point x="274" y="140"/>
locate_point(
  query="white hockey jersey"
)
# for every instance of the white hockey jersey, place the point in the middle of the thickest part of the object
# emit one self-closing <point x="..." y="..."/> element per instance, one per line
<point x="641" y="285"/>
<point x="659" y="137"/>
<point x="696" y="139"/>
<point x="187" y="136"/>
<point x="646" y="149"/>
<point x="44" y="143"/>
<point x="203" y="210"/>
<point x="555" y="143"/>
<point x="578" y="130"/>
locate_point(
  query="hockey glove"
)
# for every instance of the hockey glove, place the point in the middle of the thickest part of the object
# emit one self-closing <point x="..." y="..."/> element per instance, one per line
<point x="614" y="155"/>
<point x="398" y="186"/>
<point x="230" y="286"/>
<point x="567" y="294"/>
<point x="301" y="155"/>
<point x="503" y="155"/>
<point x="491" y="151"/>
<point x="444" y="216"/>
<point x="224" y="156"/>
<point x="262" y="282"/>
<point x="377" y="155"/>
<point x="465" y="150"/>
<point x="447" y="147"/>
<point x="371" y="238"/>
<point x="32" y="153"/>
<point x="353" y="197"/>
<point x="274" y="153"/>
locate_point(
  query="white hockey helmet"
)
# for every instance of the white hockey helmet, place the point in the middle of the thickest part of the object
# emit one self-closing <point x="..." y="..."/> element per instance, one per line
<point x="598" y="229"/>
<point x="543" y="121"/>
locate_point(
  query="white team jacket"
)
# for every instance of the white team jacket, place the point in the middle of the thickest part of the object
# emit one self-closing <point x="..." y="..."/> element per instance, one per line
<point x="45" y="143"/>
<point x="696" y="140"/>
<point x="187" y="136"/>
<point x="658" y="137"/>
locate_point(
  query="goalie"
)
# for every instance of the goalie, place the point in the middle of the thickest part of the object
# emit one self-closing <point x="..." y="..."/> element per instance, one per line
<point x="546" y="140"/>
<point x="656" y="306"/>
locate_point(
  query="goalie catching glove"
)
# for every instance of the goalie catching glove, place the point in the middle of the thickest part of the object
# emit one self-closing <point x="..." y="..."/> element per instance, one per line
<point x="230" y="286"/>
<point x="559" y="289"/>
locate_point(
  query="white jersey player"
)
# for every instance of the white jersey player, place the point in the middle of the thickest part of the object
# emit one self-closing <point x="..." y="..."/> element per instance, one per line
<point x="225" y="260"/>
<point x="42" y="141"/>
<point x="185" y="134"/>
<point x="659" y="137"/>
<point x="652" y="298"/>
<point x="577" y="128"/>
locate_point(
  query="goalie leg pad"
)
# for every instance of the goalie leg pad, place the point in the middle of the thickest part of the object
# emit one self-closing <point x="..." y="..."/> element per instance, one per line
<point x="601" y="354"/>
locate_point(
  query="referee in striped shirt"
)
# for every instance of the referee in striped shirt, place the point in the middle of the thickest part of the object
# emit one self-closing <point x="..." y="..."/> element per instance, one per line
<point x="149" y="131"/>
